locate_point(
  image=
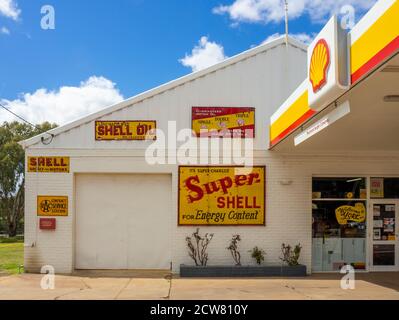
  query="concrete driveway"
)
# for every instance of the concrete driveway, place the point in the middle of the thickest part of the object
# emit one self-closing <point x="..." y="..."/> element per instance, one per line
<point x="160" y="285"/>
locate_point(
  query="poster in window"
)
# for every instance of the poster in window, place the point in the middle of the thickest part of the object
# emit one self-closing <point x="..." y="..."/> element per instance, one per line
<point x="390" y="208"/>
<point x="377" y="224"/>
<point x="377" y="234"/>
<point x="376" y="211"/>
<point x="377" y="188"/>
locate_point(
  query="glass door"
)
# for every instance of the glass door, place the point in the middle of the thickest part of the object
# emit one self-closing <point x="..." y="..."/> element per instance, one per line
<point x="384" y="238"/>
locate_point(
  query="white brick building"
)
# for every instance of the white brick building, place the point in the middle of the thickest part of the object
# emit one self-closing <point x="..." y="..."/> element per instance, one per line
<point x="122" y="211"/>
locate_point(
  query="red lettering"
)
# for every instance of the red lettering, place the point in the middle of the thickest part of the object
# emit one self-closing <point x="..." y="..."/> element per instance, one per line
<point x="226" y="183"/>
<point x="100" y="130"/>
<point x="33" y="162"/>
<point x="220" y="202"/>
<point x="240" y="180"/>
<point x="198" y="193"/>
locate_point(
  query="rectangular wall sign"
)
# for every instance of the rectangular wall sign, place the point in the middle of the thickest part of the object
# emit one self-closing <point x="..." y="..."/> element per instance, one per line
<point x="125" y="130"/>
<point x="48" y="164"/>
<point x="47" y="224"/>
<point x="213" y="195"/>
<point x="52" y="206"/>
<point x="223" y="122"/>
<point x="322" y="124"/>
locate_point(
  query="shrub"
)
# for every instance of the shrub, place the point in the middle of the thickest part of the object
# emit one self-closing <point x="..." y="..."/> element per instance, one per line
<point x="258" y="255"/>
<point x="197" y="247"/>
<point x="233" y="247"/>
<point x="291" y="256"/>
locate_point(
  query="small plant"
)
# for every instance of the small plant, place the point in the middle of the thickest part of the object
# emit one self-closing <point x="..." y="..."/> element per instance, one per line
<point x="233" y="247"/>
<point x="291" y="256"/>
<point x="258" y="255"/>
<point x="197" y="247"/>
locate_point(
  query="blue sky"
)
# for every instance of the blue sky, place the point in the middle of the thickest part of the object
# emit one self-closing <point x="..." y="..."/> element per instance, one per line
<point x="124" y="47"/>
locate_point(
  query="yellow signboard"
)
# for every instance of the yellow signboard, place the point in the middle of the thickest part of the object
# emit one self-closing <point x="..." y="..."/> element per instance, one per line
<point x="212" y="195"/>
<point x="125" y="130"/>
<point x="355" y="213"/>
<point x="48" y="164"/>
<point x="52" y="206"/>
<point x="223" y="122"/>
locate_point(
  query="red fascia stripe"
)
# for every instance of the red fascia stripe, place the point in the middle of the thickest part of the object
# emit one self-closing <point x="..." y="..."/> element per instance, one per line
<point x="376" y="60"/>
<point x="308" y="114"/>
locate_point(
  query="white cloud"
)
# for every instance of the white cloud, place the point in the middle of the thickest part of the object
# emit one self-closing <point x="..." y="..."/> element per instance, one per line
<point x="9" y="8"/>
<point x="302" y="37"/>
<point x="65" y="104"/>
<point x="4" y="30"/>
<point x="204" y="55"/>
<point x="266" y="11"/>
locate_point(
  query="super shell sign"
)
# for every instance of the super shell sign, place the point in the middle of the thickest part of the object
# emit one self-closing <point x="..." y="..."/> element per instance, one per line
<point x="355" y="213"/>
<point x="213" y="195"/>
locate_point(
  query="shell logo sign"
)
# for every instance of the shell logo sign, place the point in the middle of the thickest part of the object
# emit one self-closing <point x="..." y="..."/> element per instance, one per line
<point x="319" y="64"/>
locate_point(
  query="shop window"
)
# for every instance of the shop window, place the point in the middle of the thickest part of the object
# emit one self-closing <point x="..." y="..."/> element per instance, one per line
<point x="339" y="223"/>
<point x="339" y="188"/>
<point x="384" y="255"/>
<point x="384" y="188"/>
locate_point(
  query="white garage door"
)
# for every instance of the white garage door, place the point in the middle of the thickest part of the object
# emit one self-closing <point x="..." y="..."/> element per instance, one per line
<point x="123" y="221"/>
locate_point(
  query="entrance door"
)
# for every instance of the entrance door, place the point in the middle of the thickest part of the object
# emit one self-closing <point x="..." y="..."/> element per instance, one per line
<point x="384" y="238"/>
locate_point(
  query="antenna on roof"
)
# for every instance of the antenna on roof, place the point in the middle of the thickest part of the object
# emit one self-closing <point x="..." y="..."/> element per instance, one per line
<point x="286" y="21"/>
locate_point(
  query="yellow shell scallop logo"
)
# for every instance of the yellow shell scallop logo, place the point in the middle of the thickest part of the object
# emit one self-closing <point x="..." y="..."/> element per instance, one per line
<point x="319" y="64"/>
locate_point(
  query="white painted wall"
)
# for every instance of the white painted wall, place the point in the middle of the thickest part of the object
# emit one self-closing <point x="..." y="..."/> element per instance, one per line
<point x="288" y="208"/>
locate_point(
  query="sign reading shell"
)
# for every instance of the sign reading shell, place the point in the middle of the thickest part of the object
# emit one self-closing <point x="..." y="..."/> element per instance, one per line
<point x="125" y="130"/>
<point x="223" y="122"/>
<point x="355" y="213"/>
<point x="212" y="195"/>
<point x="48" y="164"/>
<point x="52" y="206"/>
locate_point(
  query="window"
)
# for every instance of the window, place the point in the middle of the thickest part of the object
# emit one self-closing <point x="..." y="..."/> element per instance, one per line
<point x="384" y="188"/>
<point x="339" y="223"/>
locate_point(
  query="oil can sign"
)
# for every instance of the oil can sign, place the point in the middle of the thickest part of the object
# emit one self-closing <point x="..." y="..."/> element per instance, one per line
<point x="52" y="206"/>
<point x="48" y="164"/>
<point x="213" y="195"/>
<point x="223" y="122"/>
<point x="125" y="130"/>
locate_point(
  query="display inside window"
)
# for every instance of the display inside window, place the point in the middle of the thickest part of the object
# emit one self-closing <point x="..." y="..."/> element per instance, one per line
<point x="384" y="188"/>
<point x="384" y="222"/>
<point x="339" y="188"/>
<point x="384" y="255"/>
<point x="339" y="235"/>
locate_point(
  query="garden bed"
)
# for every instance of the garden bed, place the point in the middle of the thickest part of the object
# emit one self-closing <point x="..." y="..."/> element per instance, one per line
<point x="187" y="271"/>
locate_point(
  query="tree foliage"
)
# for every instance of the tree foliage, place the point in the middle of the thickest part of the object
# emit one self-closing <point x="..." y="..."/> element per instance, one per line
<point x="12" y="169"/>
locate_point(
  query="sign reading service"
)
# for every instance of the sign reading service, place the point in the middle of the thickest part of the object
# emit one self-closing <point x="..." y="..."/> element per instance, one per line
<point x="125" y="130"/>
<point x="48" y="164"/>
<point x="52" y="206"/>
<point x="213" y="195"/>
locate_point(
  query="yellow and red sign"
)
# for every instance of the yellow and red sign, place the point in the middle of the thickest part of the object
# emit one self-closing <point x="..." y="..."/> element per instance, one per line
<point x="355" y="213"/>
<point x="223" y="122"/>
<point x="48" y="164"/>
<point x="52" y="206"/>
<point x="125" y="130"/>
<point x="319" y="64"/>
<point x="213" y="195"/>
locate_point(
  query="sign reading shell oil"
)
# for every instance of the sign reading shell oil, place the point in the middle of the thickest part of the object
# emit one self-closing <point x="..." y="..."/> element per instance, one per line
<point x="355" y="213"/>
<point x="52" y="206"/>
<point x="212" y="195"/>
<point x="125" y="130"/>
<point x="48" y="164"/>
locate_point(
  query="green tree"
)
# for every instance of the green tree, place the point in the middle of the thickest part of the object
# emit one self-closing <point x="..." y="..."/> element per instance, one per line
<point x="12" y="170"/>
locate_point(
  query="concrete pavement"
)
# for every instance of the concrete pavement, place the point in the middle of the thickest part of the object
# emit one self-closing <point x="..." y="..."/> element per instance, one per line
<point x="160" y="285"/>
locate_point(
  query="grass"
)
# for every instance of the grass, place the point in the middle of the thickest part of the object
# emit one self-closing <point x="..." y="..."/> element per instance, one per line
<point x="11" y="257"/>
